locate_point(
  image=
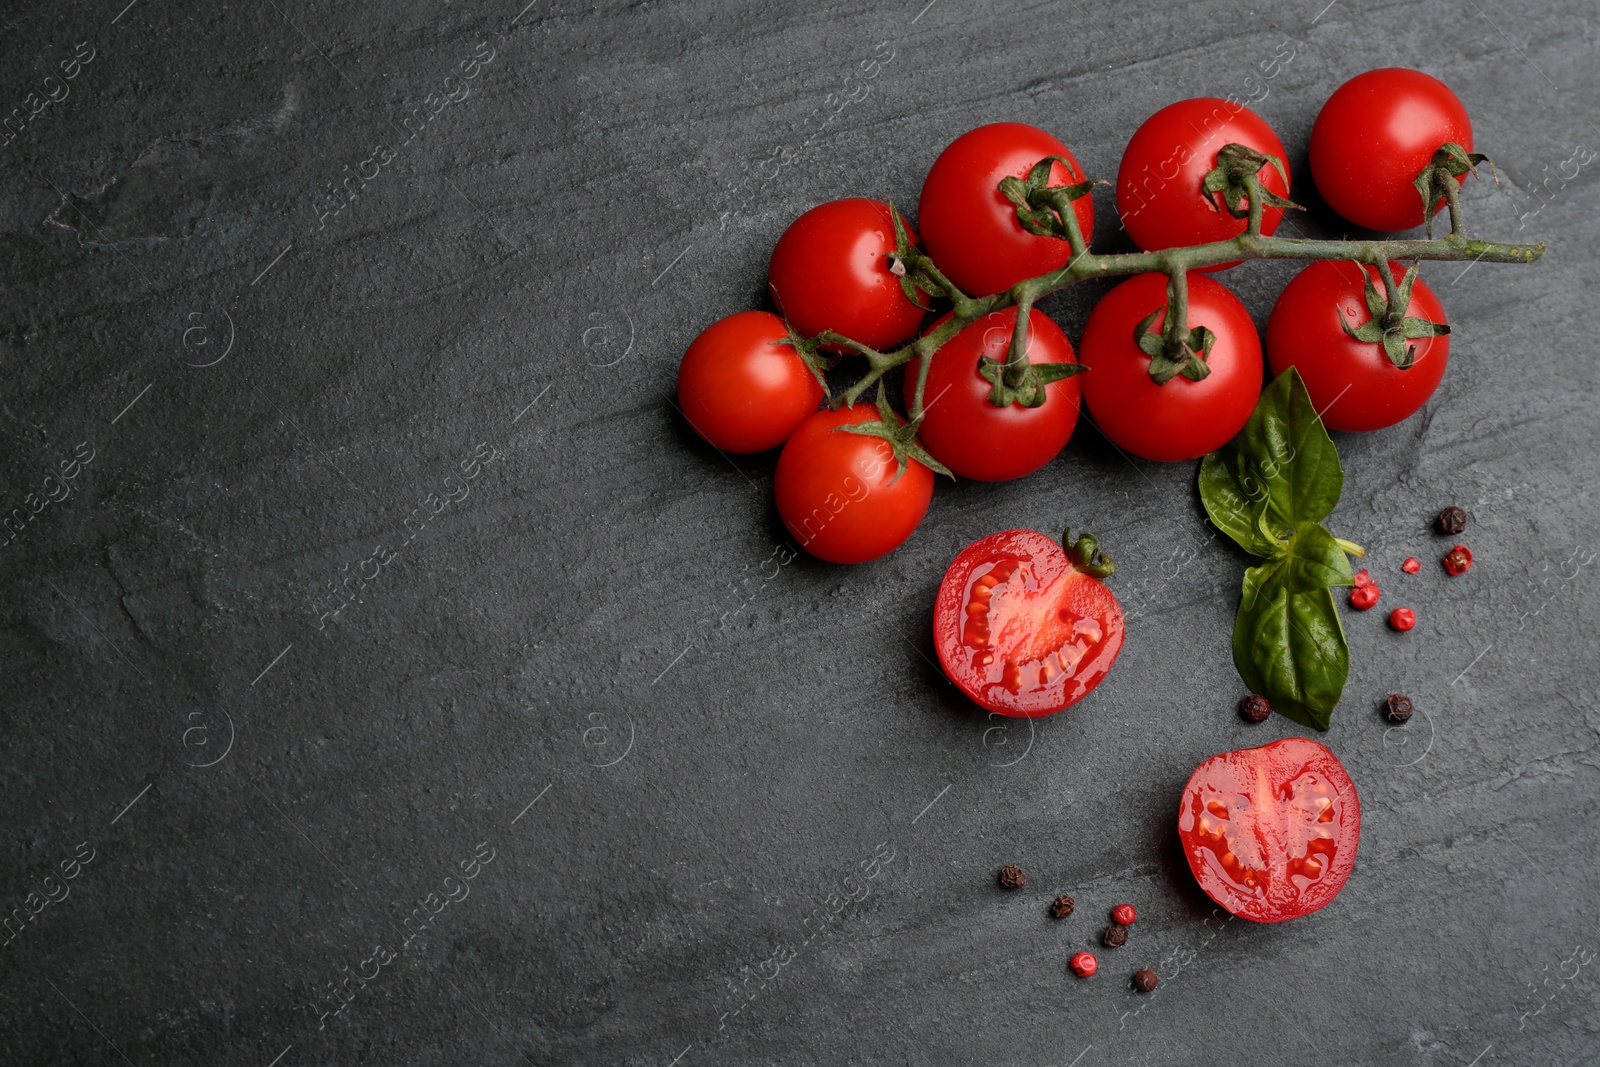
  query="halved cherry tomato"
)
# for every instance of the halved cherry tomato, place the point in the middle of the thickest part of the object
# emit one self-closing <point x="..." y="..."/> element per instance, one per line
<point x="1022" y="626"/>
<point x="842" y="495"/>
<point x="968" y="434"/>
<point x="1271" y="832"/>
<point x="742" y="386"/>
<point x="830" y="271"/>
<point x="971" y="230"/>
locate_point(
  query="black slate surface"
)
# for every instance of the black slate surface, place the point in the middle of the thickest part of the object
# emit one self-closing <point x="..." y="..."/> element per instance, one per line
<point x="687" y="777"/>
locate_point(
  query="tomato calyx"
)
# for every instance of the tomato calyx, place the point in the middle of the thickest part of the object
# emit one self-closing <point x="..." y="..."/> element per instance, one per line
<point x="902" y="437"/>
<point x="1086" y="556"/>
<point x="916" y="272"/>
<point x="811" y="354"/>
<point x="1390" y="326"/>
<point x="1022" y="383"/>
<point x="1235" y="177"/>
<point x="1438" y="181"/>
<point x="1045" y="210"/>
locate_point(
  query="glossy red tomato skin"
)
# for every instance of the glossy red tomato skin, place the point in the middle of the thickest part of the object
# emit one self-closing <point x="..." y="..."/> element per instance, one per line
<point x="1352" y="383"/>
<point x="829" y="271"/>
<point x="971" y="436"/>
<point x="1182" y="419"/>
<point x="1046" y="606"/>
<point x="1374" y="135"/>
<point x="740" y="388"/>
<point x="1159" y="181"/>
<point x="971" y="231"/>
<point x="1263" y="807"/>
<point x="838" y="492"/>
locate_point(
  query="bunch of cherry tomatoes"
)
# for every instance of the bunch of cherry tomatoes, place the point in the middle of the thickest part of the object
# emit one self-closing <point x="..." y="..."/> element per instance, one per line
<point x="848" y="497"/>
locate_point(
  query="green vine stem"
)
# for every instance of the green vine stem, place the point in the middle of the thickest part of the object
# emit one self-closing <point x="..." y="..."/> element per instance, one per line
<point x="1175" y="263"/>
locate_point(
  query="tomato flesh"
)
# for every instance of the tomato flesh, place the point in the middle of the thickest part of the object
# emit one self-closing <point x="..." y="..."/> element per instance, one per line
<point x="1022" y="631"/>
<point x="1271" y="832"/>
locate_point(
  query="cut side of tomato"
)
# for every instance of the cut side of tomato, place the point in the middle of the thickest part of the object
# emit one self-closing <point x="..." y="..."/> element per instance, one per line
<point x="1022" y="626"/>
<point x="1271" y="832"/>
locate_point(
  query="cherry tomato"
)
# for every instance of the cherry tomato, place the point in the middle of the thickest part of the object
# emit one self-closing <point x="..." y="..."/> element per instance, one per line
<point x="1181" y="419"/>
<point x="1022" y="628"/>
<point x="842" y="495"/>
<point x="742" y="386"/>
<point x="1271" y="832"/>
<point x="830" y="271"/>
<point x="971" y="231"/>
<point x="1374" y="135"/>
<point x="1352" y="383"/>
<point x="1159" y="192"/>
<point x="971" y="436"/>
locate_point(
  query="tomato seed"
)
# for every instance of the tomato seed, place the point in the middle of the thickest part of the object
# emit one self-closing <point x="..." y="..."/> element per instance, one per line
<point x="1458" y="560"/>
<point x="1363" y="597"/>
<point x="1124" y="915"/>
<point x="1255" y="708"/>
<point x="1083" y="964"/>
<point x="1011" y="877"/>
<point x="1452" y="520"/>
<point x="1399" y="708"/>
<point x="1144" y="979"/>
<point x="1062" y="906"/>
<point x="1411" y="566"/>
<point x="1116" y="936"/>
<point x="1402" y="619"/>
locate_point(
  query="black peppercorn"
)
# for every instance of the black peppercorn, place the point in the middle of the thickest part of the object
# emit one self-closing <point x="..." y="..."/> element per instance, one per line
<point x="1399" y="708"/>
<point x="1062" y="906"/>
<point x="1255" y="708"/>
<point x="1011" y="877"/>
<point x="1144" y="979"/>
<point x="1452" y="520"/>
<point x="1116" y="935"/>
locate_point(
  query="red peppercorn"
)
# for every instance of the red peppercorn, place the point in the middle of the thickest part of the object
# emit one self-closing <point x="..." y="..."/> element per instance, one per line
<point x="1363" y="597"/>
<point x="1402" y="619"/>
<point x="1083" y="964"/>
<point x="1458" y="560"/>
<point x="1362" y="578"/>
<point x="1144" y="979"/>
<point x="1123" y="915"/>
<point x="1411" y="566"/>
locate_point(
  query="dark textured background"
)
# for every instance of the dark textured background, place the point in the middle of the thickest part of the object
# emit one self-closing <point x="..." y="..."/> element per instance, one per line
<point x="712" y="753"/>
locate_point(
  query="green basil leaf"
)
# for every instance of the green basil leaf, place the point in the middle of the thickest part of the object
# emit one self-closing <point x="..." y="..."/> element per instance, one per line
<point x="1230" y="506"/>
<point x="1312" y="559"/>
<point x="1283" y="464"/>
<point x="1289" y="645"/>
